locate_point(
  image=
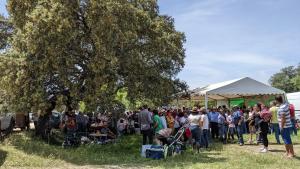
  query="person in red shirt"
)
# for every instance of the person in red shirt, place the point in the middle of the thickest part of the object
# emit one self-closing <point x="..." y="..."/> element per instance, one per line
<point x="293" y="119"/>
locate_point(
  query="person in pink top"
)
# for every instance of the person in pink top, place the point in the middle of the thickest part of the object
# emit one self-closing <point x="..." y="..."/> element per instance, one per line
<point x="265" y="115"/>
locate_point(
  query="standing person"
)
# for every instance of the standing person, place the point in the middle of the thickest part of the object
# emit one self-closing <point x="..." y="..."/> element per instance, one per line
<point x="213" y="117"/>
<point x="204" y="124"/>
<point x="223" y="127"/>
<point x="145" y="121"/>
<point x="274" y="122"/>
<point x="157" y="125"/>
<point x="284" y="120"/>
<point x="122" y="126"/>
<point x="293" y="119"/>
<point x="163" y="119"/>
<point x="257" y="120"/>
<point x="170" y="120"/>
<point x="264" y="125"/>
<point x="194" y="119"/>
<point x="251" y="123"/>
<point x="69" y="122"/>
<point x="238" y="118"/>
<point x="231" y="126"/>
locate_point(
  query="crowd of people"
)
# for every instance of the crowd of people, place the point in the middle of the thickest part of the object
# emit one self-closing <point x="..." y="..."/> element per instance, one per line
<point x="205" y="126"/>
<point x="222" y="124"/>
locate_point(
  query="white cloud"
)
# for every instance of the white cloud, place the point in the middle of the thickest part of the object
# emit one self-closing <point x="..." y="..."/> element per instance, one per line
<point x="247" y="58"/>
<point x="203" y="68"/>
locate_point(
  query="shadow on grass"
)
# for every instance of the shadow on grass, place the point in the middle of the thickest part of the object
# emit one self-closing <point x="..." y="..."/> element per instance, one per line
<point x="3" y="155"/>
<point x="297" y="157"/>
<point x="126" y="152"/>
<point x="277" y="151"/>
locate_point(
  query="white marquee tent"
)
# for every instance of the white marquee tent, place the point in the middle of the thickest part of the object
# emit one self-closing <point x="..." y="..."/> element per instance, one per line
<point x="237" y="88"/>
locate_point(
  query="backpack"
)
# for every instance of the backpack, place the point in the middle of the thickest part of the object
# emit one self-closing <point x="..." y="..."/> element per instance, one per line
<point x="292" y="110"/>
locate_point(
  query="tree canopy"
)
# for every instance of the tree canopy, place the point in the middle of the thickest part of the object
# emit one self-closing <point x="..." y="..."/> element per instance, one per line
<point x="65" y="52"/>
<point x="288" y="79"/>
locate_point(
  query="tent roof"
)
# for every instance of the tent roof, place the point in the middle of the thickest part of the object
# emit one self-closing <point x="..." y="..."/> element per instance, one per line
<point x="235" y="89"/>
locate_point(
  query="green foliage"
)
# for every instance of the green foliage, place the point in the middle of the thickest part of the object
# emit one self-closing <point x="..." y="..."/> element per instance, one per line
<point x="287" y="79"/>
<point x="88" y="50"/>
<point x="296" y="81"/>
<point x="5" y="32"/>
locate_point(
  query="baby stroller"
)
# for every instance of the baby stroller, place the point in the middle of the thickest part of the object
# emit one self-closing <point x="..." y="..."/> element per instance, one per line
<point x="173" y="144"/>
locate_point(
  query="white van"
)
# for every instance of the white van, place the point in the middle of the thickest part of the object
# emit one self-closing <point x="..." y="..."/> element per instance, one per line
<point x="294" y="98"/>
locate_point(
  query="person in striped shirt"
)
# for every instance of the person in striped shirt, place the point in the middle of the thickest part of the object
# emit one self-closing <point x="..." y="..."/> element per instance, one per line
<point x="284" y="120"/>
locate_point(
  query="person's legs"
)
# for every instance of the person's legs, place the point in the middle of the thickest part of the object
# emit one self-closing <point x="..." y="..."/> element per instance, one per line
<point x="264" y="133"/>
<point x="294" y="129"/>
<point x="251" y="129"/>
<point x="196" y="132"/>
<point x="265" y="139"/>
<point x="205" y="137"/>
<point x="217" y="129"/>
<point x="291" y="147"/>
<point x="240" y="134"/>
<point x="286" y="137"/>
<point x="231" y="131"/>
<point x="221" y="128"/>
<point x="275" y="127"/>
<point x="244" y="128"/>
<point x="147" y="136"/>
<point x="213" y="132"/>
<point x="144" y="137"/>
<point x="150" y="136"/>
<point x="225" y="134"/>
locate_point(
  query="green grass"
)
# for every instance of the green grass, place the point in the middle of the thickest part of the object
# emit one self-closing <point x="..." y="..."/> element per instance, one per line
<point x="21" y="150"/>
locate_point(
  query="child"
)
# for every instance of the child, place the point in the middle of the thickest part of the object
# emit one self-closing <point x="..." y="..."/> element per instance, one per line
<point x="231" y="126"/>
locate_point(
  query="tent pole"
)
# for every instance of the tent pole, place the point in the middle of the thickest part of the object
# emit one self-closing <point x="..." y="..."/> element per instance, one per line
<point x="206" y="101"/>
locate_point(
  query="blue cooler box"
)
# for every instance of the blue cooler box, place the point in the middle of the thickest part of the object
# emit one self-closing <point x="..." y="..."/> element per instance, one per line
<point x="155" y="152"/>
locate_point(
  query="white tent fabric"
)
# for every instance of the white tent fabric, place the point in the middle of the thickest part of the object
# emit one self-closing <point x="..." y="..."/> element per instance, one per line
<point x="237" y="88"/>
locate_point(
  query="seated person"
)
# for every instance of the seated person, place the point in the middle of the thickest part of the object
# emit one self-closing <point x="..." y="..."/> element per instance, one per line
<point x="69" y="125"/>
<point x="122" y="126"/>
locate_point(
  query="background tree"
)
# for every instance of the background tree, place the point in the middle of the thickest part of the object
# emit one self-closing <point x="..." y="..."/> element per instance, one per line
<point x="5" y="32"/>
<point x="296" y="80"/>
<point x="286" y="79"/>
<point x="87" y="51"/>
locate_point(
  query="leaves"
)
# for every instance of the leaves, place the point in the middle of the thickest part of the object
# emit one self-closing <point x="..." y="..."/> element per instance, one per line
<point x="287" y="79"/>
<point x="87" y="51"/>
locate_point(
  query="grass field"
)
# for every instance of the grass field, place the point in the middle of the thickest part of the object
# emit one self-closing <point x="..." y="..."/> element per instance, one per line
<point x="23" y="151"/>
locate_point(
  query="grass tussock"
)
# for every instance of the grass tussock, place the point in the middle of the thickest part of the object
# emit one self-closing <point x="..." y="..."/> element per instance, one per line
<point x="24" y="150"/>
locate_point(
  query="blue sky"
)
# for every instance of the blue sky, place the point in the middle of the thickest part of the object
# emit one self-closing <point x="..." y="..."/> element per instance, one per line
<point x="228" y="39"/>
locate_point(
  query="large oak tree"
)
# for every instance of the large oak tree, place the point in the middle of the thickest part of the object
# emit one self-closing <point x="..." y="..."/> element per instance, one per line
<point x="66" y="51"/>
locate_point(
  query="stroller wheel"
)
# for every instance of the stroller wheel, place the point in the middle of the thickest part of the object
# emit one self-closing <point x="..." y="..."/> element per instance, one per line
<point x="166" y="149"/>
<point x="170" y="151"/>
